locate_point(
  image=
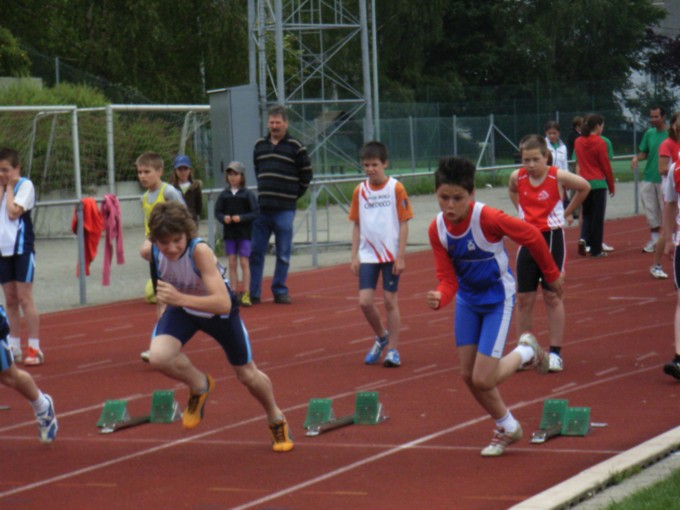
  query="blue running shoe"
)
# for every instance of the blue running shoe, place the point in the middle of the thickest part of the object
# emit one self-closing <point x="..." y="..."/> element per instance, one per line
<point x="374" y="354"/>
<point x="47" y="423"/>
<point x="392" y="359"/>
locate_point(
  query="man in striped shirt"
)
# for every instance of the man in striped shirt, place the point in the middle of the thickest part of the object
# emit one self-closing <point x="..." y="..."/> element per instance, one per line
<point x="283" y="172"/>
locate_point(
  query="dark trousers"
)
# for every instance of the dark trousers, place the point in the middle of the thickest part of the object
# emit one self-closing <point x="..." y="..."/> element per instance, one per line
<point x="592" y="221"/>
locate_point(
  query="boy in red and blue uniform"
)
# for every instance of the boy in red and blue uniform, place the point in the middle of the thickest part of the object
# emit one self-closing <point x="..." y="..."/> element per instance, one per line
<point x="472" y="265"/>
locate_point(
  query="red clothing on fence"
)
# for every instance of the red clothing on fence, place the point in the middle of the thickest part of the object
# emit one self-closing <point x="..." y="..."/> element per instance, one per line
<point x="92" y="227"/>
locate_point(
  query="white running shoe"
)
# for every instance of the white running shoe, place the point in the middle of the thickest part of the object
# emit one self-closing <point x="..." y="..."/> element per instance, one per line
<point x="539" y="362"/>
<point x="501" y="440"/>
<point x="658" y="272"/>
<point x="17" y="355"/>
<point x="555" y="363"/>
<point x="650" y="247"/>
<point x="606" y="247"/>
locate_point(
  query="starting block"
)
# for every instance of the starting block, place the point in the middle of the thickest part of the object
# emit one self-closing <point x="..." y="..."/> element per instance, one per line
<point x="115" y="415"/>
<point x="321" y="418"/>
<point x="558" y="419"/>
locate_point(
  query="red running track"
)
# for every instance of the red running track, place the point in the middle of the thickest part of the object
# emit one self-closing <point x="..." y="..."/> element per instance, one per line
<point x="427" y="455"/>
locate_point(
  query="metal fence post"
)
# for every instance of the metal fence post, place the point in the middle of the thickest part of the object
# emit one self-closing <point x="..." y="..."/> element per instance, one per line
<point x="413" y="144"/>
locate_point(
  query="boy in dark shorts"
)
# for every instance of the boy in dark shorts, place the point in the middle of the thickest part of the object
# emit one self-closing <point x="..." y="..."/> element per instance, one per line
<point x="197" y="297"/>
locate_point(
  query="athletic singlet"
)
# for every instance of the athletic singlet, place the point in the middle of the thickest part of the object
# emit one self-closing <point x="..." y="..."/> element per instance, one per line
<point x="540" y="206"/>
<point x="482" y="267"/>
<point x="148" y="207"/>
<point x="16" y="236"/>
<point x="378" y="223"/>
<point x="183" y="274"/>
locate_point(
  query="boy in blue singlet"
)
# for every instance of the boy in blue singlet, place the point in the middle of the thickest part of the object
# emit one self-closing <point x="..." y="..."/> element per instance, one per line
<point x="472" y="265"/>
<point x="197" y="297"/>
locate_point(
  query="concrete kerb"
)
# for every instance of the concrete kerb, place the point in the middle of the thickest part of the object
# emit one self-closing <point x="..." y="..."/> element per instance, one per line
<point x="601" y="476"/>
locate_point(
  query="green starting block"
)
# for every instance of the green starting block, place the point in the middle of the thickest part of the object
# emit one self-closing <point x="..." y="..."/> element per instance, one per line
<point x="576" y="421"/>
<point x="164" y="407"/>
<point x="115" y="415"/>
<point x="321" y="418"/>
<point x="558" y="419"/>
<point x="368" y="410"/>
<point x="114" y="411"/>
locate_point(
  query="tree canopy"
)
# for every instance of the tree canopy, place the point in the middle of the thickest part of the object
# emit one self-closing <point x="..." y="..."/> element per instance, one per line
<point x="174" y="51"/>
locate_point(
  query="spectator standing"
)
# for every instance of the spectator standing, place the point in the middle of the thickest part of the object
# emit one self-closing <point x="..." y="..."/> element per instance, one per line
<point x="183" y="180"/>
<point x="235" y="209"/>
<point x="594" y="166"/>
<point x="283" y="172"/>
<point x="650" y="190"/>
<point x="17" y="257"/>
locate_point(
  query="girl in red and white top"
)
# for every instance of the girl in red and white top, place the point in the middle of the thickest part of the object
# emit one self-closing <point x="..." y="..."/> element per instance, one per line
<point x="537" y="191"/>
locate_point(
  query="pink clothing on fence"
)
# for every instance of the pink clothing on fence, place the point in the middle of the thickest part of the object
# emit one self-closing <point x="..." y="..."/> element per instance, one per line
<point x="113" y="229"/>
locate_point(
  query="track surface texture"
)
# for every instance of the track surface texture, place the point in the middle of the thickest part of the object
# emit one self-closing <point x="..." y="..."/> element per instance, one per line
<point x="426" y="455"/>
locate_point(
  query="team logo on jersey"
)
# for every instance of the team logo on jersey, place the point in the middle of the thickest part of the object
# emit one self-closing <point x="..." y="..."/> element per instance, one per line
<point x="471" y="245"/>
<point x="543" y="195"/>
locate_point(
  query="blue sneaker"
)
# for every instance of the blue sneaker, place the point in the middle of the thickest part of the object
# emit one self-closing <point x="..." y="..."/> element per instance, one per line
<point x="374" y="354"/>
<point x="47" y="423"/>
<point x="392" y="359"/>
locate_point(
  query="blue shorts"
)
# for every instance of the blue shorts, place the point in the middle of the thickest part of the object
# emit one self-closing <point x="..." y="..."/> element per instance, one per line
<point x="483" y="325"/>
<point x="368" y="276"/>
<point x="6" y="358"/>
<point x="237" y="246"/>
<point x="17" y="268"/>
<point x="229" y="331"/>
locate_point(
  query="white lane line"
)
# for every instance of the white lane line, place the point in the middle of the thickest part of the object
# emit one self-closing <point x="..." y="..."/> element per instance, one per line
<point x="605" y="372"/>
<point x="116" y="328"/>
<point x="423" y="369"/>
<point x="565" y="387"/>
<point x="294" y="488"/>
<point x="69" y="337"/>
<point x="648" y="355"/>
<point x="90" y="365"/>
<point x="309" y="353"/>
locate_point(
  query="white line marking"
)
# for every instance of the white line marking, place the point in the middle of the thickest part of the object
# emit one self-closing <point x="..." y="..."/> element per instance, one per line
<point x="69" y="337"/>
<point x="125" y="326"/>
<point x="371" y="384"/>
<point x="562" y="388"/>
<point x="90" y="365"/>
<point x="648" y="355"/>
<point x="423" y="369"/>
<point x="331" y="474"/>
<point x="304" y="319"/>
<point x="309" y="353"/>
<point x="608" y="371"/>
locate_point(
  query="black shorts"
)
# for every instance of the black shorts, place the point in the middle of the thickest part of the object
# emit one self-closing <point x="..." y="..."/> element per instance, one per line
<point x="528" y="273"/>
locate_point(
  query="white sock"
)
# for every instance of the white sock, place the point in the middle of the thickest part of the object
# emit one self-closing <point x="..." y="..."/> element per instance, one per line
<point x="655" y="236"/>
<point x="40" y="404"/>
<point x="35" y="343"/>
<point x="525" y="352"/>
<point x="15" y="342"/>
<point x="508" y="423"/>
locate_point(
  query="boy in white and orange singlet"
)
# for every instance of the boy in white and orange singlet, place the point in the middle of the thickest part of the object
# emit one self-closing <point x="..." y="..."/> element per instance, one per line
<point x="537" y="191"/>
<point x="380" y="211"/>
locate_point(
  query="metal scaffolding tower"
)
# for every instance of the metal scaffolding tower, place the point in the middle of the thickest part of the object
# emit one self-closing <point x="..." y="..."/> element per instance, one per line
<point x="313" y="56"/>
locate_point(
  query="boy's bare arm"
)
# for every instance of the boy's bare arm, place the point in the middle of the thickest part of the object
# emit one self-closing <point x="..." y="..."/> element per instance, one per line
<point x="400" y="264"/>
<point x="356" y="234"/>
